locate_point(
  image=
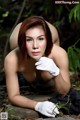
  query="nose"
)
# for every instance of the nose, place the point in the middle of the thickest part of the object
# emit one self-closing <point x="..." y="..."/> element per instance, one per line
<point x="35" y="44"/>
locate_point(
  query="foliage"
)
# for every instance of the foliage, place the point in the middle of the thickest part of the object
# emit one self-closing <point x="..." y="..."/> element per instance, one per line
<point x="74" y="58"/>
<point x="14" y="11"/>
<point x="75" y="13"/>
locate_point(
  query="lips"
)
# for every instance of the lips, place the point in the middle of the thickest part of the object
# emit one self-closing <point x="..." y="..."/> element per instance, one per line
<point x="35" y="53"/>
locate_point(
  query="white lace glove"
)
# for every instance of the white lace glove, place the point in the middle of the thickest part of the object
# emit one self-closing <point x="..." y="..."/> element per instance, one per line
<point x="47" y="64"/>
<point x="47" y="108"/>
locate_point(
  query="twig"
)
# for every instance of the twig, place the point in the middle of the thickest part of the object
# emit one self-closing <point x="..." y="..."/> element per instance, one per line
<point x="18" y="18"/>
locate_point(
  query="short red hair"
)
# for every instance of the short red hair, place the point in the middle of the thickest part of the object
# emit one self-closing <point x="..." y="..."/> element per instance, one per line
<point x="29" y="23"/>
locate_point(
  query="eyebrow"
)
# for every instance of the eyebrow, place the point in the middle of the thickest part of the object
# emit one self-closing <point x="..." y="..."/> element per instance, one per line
<point x="38" y="36"/>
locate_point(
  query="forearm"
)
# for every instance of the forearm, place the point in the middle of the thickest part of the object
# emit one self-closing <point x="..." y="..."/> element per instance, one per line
<point x="61" y="85"/>
<point x="23" y="102"/>
<point x="46" y="108"/>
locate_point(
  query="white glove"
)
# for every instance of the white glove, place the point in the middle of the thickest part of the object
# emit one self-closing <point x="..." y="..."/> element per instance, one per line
<point x="47" y="64"/>
<point x="47" y="108"/>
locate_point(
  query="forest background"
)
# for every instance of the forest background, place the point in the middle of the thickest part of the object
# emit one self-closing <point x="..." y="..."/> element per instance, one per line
<point x="64" y="16"/>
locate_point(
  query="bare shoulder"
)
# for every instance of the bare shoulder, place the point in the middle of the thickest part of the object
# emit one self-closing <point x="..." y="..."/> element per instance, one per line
<point x="60" y="56"/>
<point x="11" y="60"/>
<point x="58" y="51"/>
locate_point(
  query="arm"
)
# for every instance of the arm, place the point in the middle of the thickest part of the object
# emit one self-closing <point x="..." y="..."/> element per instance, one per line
<point x="57" y="68"/>
<point x="13" y="85"/>
<point x="62" y="81"/>
<point x="46" y="108"/>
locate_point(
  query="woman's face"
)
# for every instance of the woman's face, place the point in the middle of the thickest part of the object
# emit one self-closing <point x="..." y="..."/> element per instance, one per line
<point x="36" y="42"/>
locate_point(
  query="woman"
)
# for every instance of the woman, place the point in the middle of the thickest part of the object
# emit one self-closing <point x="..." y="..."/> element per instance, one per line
<point x="36" y="57"/>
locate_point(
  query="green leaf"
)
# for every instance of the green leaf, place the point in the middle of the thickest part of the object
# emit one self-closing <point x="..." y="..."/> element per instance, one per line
<point x="5" y="14"/>
<point x="74" y="58"/>
<point x="75" y="13"/>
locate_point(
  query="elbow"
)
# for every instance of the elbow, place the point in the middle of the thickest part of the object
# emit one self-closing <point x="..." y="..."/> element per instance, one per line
<point x="68" y="89"/>
<point x="12" y="99"/>
<point x="65" y="91"/>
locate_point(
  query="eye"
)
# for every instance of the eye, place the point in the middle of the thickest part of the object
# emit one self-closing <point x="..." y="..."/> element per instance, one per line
<point x="28" y="39"/>
<point x="41" y="38"/>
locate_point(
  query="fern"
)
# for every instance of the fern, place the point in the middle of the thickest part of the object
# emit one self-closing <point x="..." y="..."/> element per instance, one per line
<point x="75" y="13"/>
<point x="74" y="58"/>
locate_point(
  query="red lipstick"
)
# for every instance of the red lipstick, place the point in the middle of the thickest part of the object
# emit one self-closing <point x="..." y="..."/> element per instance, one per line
<point x="35" y="53"/>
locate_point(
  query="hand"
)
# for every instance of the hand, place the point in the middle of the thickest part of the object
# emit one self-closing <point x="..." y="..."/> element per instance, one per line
<point x="47" y="108"/>
<point x="47" y="64"/>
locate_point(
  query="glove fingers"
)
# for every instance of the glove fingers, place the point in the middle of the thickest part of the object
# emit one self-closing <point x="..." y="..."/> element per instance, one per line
<point x="40" y="68"/>
<point x="38" y="63"/>
<point x="53" y="111"/>
<point x="49" y="115"/>
<point x="43" y="59"/>
<point x="56" y="110"/>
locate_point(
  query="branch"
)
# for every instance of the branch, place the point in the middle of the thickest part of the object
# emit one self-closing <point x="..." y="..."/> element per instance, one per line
<point x="18" y="18"/>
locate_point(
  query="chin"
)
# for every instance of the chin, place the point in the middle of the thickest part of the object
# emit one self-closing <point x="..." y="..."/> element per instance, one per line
<point x="37" y="58"/>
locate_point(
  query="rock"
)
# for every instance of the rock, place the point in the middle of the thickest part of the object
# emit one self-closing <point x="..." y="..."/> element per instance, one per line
<point x="58" y="118"/>
<point x="19" y="113"/>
